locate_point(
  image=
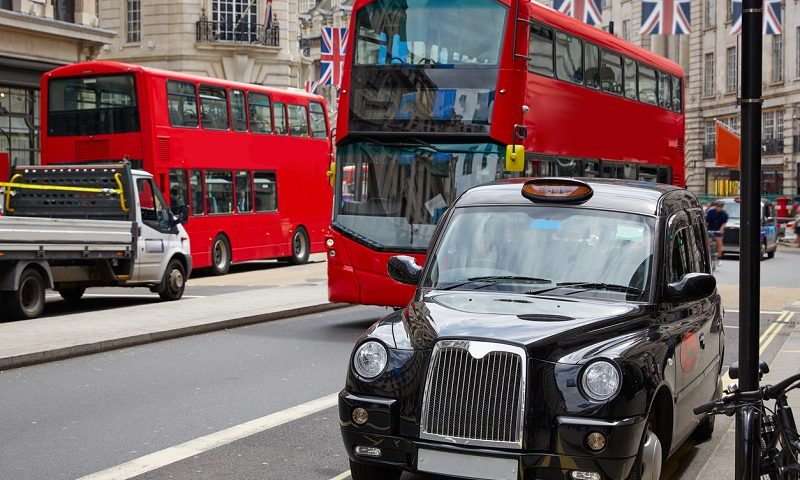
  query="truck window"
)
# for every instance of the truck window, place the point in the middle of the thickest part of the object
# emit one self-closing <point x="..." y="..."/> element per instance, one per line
<point x="151" y="205"/>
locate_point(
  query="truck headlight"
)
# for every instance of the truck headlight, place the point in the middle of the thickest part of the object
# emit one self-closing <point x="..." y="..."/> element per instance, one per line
<point x="370" y="359"/>
<point x="600" y="380"/>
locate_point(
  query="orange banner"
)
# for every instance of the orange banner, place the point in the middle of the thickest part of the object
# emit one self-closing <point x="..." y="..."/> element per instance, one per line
<point x="728" y="147"/>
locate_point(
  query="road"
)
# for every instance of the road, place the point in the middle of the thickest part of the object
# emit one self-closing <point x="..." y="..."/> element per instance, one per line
<point x="230" y="404"/>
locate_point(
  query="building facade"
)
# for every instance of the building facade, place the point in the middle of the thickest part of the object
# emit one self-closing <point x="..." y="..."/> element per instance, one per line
<point x="37" y="36"/>
<point x="229" y="39"/>
<point x="711" y="58"/>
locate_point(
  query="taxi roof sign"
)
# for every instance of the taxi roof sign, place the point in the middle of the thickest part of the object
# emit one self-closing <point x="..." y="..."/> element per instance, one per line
<point x="560" y="190"/>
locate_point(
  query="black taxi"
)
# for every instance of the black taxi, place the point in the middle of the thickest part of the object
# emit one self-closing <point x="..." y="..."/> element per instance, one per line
<point x="561" y="329"/>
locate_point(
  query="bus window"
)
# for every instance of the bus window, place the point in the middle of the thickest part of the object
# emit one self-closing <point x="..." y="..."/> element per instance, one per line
<point x="648" y="173"/>
<point x="198" y="199"/>
<point x="569" y="58"/>
<point x="178" y="190"/>
<point x="647" y="85"/>
<point x="298" y="120"/>
<point x="238" y="112"/>
<point x="182" y="104"/>
<point x="630" y="171"/>
<point x="260" y="115"/>
<point x="611" y="73"/>
<point x="568" y="167"/>
<point x="664" y="175"/>
<point x="280" y="118"/>
<point x="317" y="113"/>
<point x="92" y="105"/>
<point x="219" y="190"/>
<point x="213" y="108"/>
<point x="591" y="65"/>
<point x="664" y="91"/>
<point x="541" y="49"/>
<point x="266" y="192"/>
<point x="630" y="78"/>
<point x="677" y="95"/>
<point x="244" y="192"/>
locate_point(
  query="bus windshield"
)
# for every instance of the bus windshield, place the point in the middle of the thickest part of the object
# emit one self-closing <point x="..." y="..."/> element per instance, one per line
<point x="467" y="32"/>
<point x="392" y="196"/>
<point x="530" y="248"/>
<point x="92" y="105"/>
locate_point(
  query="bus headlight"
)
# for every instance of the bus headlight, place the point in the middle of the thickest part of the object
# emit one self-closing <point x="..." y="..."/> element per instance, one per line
<point x="370" y="359"/>
<point x="600" y="380"/>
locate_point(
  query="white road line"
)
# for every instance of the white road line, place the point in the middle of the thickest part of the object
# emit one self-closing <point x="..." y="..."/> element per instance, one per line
<point x="341" y="476"/>
<point x="762" y="312"/>
<point x="155" y="460"/>
<point x="117" y="295"/>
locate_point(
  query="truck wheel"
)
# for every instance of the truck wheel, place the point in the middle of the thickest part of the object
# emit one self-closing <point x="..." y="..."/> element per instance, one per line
<point x="174" y="282"/>
<point x="359" y="471"/>
<point x="220" y="255"/>
<point x="28" y="300"/>
<point x="300" y="247"/>
<point x="72" y="294"/>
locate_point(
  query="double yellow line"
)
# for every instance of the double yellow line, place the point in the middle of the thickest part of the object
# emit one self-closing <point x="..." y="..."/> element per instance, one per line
<point x="766" y="338"/>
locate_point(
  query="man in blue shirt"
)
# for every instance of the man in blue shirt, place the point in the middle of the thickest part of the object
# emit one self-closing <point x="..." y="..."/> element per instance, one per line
<point x="716" y="218"/>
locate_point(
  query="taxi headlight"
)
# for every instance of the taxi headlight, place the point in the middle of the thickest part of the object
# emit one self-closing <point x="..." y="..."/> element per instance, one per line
<point x="370" y="359"/>
<point x="600" y="380"/>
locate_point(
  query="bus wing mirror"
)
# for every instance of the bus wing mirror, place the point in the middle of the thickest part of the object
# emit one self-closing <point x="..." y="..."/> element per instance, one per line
<point x="331" y="173"/>
<point x="515" y="158"/>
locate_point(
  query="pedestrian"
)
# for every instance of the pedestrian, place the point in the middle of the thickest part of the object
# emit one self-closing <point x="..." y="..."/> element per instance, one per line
<point x="716" y="218"/>
<point x="797" y="229"/>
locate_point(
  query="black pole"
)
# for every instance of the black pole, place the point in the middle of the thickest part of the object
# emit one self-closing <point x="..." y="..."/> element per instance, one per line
<point x="749" y="240"/>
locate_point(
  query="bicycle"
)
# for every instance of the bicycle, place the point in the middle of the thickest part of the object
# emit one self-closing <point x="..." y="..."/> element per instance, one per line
<point x="776" y="458"/>
<point x="712" y="249"/>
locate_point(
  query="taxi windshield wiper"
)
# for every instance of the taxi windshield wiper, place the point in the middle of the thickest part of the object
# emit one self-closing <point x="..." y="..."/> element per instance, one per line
<point x="495" y="279"/>
<point x="583" y="286"/>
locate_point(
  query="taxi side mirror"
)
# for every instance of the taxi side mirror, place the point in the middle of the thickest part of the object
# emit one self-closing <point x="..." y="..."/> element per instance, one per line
<point x="404" y="269"/>
<point x="331" y="173"/>
<point x="515" y="158"/>
<point x="692" y="286"/>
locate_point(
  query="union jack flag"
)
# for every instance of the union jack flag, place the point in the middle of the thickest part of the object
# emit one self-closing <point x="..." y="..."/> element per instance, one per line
<point x="584" y="10"/>
<point x="268" y="16"/>
<point x="772" y="17"/>
<point x="331" y="55"/>
<point x="665" y="17"/>
<point x="311" y="86"/>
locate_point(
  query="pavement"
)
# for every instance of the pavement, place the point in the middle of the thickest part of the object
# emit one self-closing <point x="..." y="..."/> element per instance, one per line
<point x="280" y="296"/>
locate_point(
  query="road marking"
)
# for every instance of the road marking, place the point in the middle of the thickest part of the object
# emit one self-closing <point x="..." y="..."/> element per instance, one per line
<point x="156" y="460"/>
<point x="116" y="295"/>
<point x="764" y="341"/>
<point x="341" y="476"/>
<point x="762" y="312"/>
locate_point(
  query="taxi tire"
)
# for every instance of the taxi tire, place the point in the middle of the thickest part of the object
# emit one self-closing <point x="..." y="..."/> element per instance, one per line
<point x="637" y="469"/>
<point x="705" y="429"/>
<point x="360" y="471"/>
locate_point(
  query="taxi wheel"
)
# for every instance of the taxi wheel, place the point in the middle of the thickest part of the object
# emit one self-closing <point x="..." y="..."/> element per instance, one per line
<point x="220" y="255"/>
<point x="648" y="461"/>
<point x="359" y="471"/>
<point x="705" y="429"/>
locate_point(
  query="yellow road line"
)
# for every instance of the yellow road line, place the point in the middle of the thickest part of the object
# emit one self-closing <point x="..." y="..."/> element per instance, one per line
<point x="341" y="476"/>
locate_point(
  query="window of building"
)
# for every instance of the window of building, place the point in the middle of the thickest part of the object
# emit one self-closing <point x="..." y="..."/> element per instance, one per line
<point x="711" y="132"/>
<point x="541" y="49"/>
<point x="569" y="58"/>
<point x="196" y="192"/>
<point x="238" y="111"/>
<point x="182" y="104"/>
<point x="260" y="113"/>
<point x="235" y="20"/>
<point x="244" y="192"/>
<point x="213" y="107"/>
<point x="133" y="23"/>
<point x="19" y="128"/>
<point x="710" y="13"/>
<point x="677" y="94"/>
<point x="771" y="182"/>
<point x="708" y="91"/>
<point x="647" y="85"/>
<point x="728" y="10"/>
<point x="665" y="90"/>
<point x="64" y="10"/>
<point x="626" y="30"/>
<point x="768" y="125"/>
<point x="266" y="192"/>
<point x="317" y="115"/>
<point x="779" y="124"/>
<point x="298" y="120"/>
<point x="178" y="190"/>
<point x="731" y="69"/>
<point x="219" y="191"/>
<point x="592" y="65"/>
<point x="797" y="56"/>
<point x="777" y="58"/>
<point x="630" y="78"/>
<point x="611" y="73"/>
<point x="280" y="119"/>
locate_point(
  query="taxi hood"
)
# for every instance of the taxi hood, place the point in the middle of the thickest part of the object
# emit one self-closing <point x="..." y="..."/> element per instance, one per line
<point x="539" y="324"/>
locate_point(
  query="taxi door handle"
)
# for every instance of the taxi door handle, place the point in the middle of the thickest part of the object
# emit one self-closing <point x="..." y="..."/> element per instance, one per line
<point x="702" y="340"/>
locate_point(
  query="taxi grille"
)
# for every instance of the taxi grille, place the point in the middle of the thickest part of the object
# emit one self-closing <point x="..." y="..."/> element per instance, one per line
<point x="475" y="401"/>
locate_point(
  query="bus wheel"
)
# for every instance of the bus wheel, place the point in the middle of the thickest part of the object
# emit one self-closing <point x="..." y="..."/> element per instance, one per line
<point x="72" y="294"/>
<point x="300" y="247"/>
<point x="174" y="282"/>
<point x="28" y="300"/>
<point x="220" y="255"/>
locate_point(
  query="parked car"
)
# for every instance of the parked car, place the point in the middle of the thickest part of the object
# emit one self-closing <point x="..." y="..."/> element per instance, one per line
<point x="769" y="228"/>
<point x="560" y="329"/>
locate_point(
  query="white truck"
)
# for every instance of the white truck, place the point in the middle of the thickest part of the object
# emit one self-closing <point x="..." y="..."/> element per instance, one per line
<point x="73" y="227"/>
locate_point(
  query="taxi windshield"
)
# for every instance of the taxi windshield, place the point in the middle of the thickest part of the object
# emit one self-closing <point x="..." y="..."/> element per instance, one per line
<point x="557" y="250"/>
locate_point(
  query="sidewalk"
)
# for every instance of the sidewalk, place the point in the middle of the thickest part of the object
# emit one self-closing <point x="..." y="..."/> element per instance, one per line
<point x="40" y="340"/>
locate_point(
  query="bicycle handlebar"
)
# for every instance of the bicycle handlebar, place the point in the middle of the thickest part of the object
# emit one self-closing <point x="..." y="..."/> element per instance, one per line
<point x="767" y="392"/>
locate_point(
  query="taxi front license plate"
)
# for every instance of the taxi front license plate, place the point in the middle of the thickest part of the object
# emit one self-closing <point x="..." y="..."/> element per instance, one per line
<point x="467" y="466"/>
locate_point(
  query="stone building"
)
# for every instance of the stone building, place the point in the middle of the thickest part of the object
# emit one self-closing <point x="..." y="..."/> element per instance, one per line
<point x="227" y="39"/>
<point x="711" y="58"/>
<point x="37" y="36"/>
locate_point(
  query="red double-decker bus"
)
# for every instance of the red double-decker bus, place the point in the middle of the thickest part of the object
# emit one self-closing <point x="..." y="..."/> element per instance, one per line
<point x="434" y="95"/>
<point x="246" y="164"/>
